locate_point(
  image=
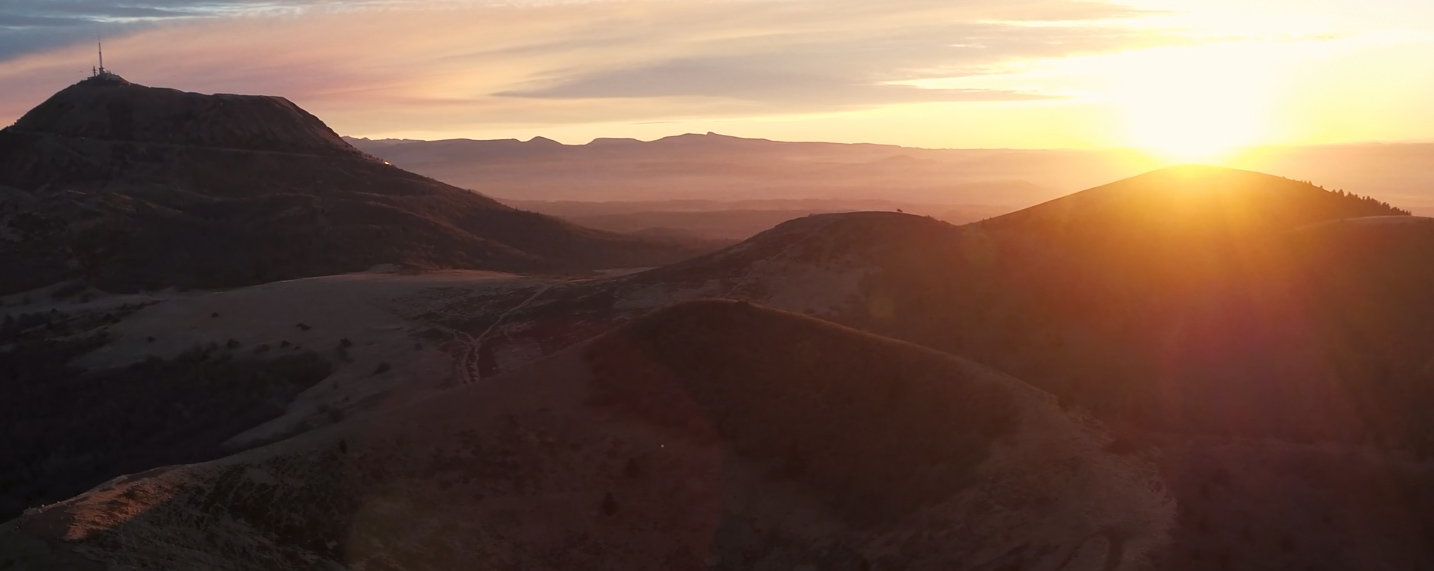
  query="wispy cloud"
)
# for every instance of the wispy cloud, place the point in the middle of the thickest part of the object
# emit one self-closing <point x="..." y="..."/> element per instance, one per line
<point x="832" y="66"/>
<point x="776" y="89"/>
<point x="733" y="56"/>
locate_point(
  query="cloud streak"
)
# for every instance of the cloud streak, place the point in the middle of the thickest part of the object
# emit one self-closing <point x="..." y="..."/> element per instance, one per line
<point x="779" y="90"/>
<point x="721" y="57"/>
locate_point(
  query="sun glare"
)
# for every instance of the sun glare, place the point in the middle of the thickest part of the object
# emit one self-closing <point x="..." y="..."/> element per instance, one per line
<point x="1195" y="104"/>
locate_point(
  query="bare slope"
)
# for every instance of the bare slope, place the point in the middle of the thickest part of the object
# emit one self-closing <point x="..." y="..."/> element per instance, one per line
<point x="706" y="436"/>
<point x="133" y="187"/>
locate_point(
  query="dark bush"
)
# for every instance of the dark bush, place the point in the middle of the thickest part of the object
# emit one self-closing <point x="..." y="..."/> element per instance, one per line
<point x="67" y="429"/>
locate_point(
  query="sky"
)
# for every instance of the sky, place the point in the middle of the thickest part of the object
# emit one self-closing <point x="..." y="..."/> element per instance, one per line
<point x="1183" y="79"/>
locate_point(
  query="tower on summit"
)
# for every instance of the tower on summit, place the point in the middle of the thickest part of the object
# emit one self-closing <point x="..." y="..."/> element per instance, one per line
<point x="100" y="72"/>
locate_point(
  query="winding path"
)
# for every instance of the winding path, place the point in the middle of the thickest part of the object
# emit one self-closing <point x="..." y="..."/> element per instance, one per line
<point x="469" y="370"/>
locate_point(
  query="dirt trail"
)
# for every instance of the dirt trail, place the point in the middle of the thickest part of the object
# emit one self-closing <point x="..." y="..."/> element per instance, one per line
<point x="469" y="365"/>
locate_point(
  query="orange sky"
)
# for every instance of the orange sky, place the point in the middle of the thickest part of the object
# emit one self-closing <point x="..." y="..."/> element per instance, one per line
<point x="1184" y="79"/>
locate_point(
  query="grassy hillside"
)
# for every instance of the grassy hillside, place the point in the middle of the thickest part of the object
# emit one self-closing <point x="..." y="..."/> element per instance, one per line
<point x="683" y="441"/>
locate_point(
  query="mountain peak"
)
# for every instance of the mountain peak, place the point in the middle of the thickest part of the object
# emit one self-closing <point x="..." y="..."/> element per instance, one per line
<point x="149" y="187"/>
<point x="109" y="108"/>
<point x="104" y="78"/>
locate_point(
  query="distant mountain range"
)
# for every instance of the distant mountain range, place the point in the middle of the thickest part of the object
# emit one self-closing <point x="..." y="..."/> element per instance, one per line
<point x="712" y="167"/>
<point x="723" y="168"/>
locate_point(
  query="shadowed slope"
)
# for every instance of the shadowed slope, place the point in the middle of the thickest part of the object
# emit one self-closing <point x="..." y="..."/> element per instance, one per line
<point x="688" y="440"/>
<point x="132" y="187"/>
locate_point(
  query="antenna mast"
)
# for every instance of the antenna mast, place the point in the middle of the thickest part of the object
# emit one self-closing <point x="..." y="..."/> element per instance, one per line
<point x="100" y="44"/>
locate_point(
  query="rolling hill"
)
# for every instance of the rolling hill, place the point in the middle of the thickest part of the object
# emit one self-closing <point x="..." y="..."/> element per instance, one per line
<point x="1190" y="298"/>
<point x="1259" y="345"/>
<point x="131" y="187"/>
<point x="1270" y="338"/>
<point x="1233" y="290"/>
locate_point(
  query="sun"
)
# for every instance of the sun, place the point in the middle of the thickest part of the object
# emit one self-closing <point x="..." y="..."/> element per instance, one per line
<point x="1192" y="128"/>
<point x="1194" y="104"/>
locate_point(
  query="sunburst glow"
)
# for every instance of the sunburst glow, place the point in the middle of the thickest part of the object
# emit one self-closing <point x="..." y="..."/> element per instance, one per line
<point x="1195" y="104"/>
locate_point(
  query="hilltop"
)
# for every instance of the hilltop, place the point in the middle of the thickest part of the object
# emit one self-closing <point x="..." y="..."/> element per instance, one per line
<point x="113" y="109"/>
<point x="131" y="187"/>
<point x="1190" y="200"/>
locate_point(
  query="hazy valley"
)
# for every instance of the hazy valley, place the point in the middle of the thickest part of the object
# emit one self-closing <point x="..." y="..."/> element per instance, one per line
<point x="718" y="187"/>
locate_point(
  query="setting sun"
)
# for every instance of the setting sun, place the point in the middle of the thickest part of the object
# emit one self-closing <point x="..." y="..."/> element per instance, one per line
<point x="1194" y="104"/>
